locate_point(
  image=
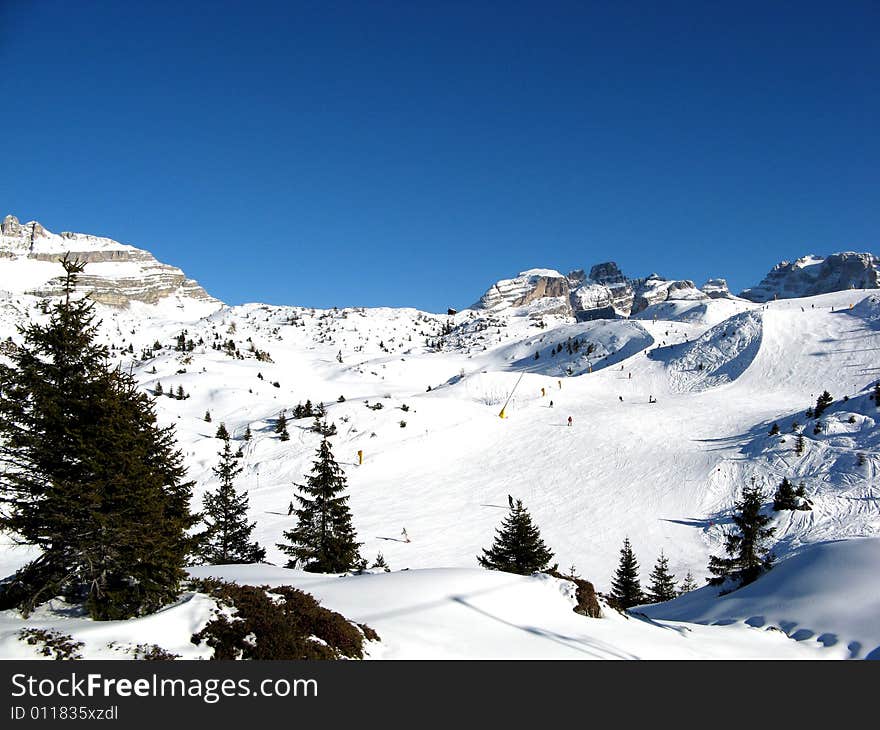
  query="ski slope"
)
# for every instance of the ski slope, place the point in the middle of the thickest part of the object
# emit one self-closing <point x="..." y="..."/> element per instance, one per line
<point x="439" y="462"/>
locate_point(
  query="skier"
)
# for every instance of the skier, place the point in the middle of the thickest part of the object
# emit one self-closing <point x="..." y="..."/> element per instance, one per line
<point x="630" y="376"/>
<point x="510" y="501"/>
<point x="551" y="403"/>
<point x="569" y="420"/>
<point x="290" y="509"/>
<point x="621" y="398"/>
<point x="404" y="535"/>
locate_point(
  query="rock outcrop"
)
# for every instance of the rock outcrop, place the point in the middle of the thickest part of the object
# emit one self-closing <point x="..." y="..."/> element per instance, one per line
<point x="116" y="274"/>
<point x="716" y="289"/>
<point x="811" y="275"/>
<point x="547" y="289"/>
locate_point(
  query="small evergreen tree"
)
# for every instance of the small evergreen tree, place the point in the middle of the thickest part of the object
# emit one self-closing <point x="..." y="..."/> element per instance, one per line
<point x="207" y="416"/>
<point x="799" y="444"/>
<point x="518" y="547"/>
<point x="688" y="584"/>
<point x="877" y="394"/>
<point x="379" y="562"/>
<point x="746" y="546"/>
<point x="322" y="427"/>
<point x="662" y="586"/>
<point x="181" y="395"/>
<point x="228" y="537"/>
<point x="774" y="430"/>
<point x="822" y="404"/>
<point x="247" y="433"/>
<point x="158" y="389"/>
<point x="626" y="589"/>
<point x="222" y="433"/>
<point x="785" y="497"/>
<point x="281" y="422"/>
<point x="323" y="540"/>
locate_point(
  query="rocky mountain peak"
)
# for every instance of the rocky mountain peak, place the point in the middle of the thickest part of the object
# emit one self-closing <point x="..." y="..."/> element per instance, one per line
<point x="811" y="275"/>
<point x="116" y="274"/>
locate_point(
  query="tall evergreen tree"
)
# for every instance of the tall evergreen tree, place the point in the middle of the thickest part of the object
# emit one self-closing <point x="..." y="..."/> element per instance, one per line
<point x="626" y="589"/>
<point x="518" y="547"/>
<point x="247" y="433"/>
<point x="877" y="394"/>
<point x="228" y="537"/>
<point x="323" y="540"/>
<point x="746" y="546"/>
<point x="662" y="586"/>
<point x="222" y="432"/>
<point x="88" y="476"/>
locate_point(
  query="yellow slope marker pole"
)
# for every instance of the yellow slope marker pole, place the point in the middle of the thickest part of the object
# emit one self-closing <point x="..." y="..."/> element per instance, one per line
<point x="503" y="413"/>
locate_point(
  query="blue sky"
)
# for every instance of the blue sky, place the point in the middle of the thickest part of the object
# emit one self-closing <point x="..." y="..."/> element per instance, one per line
<point x="410" y="153"/>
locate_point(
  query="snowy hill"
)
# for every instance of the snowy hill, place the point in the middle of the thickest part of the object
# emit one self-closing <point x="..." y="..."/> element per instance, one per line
<point x="419" y="393"/>
<point x="827" y="593"/>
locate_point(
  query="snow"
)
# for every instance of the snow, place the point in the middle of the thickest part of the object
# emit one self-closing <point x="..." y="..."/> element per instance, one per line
<point x="479" y="614"/>
<point x="827" y="593"/>
<point x="666" y="474"/>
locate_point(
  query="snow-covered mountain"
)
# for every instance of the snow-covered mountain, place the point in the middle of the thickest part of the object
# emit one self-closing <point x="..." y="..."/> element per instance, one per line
<point x="117" y="274"/>
<point x="811" y="275"/>
<point x="672" y="391"/>
<point x="603" y="294"/>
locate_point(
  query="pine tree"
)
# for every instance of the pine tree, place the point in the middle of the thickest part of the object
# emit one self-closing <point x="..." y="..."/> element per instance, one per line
<point x="746" y="546"/>
<point x="158" y="389"/>
<point x="89" y="478"/>
<point x="822" y="404"/>
<point x="774" y="430"/>
<point x="322" y="427"/>
<point x="323" y="540"/>
<point x="785" y="497"/>
<point x="281" y="422"/>
<point x="228" y="537"/>
<point x="799" y="444"/>
<point x="207" y="416"/>
<point x="180" y="394"/>
<point x="688" y="584"/>
<point x="222" y="433"/>
<point x="379" y="562"/>
<point x="662" y="586"/>
<point x="626" y="590"/>
<point x="518" y="547"/>
<point x="247" y="433"/>
<point x="877" y="394"/>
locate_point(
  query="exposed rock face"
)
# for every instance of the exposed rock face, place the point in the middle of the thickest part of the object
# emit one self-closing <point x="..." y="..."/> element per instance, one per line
<point x="605" y="294"/>
<point x="619" y="291"/>
<point x="116" y="274"/>
<point x="655" y="289"/>
<point x="716" y="289"/>
<point x="811" y="275"/>
<point x="546" y="288"/>
<point x="10" y="226"/>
